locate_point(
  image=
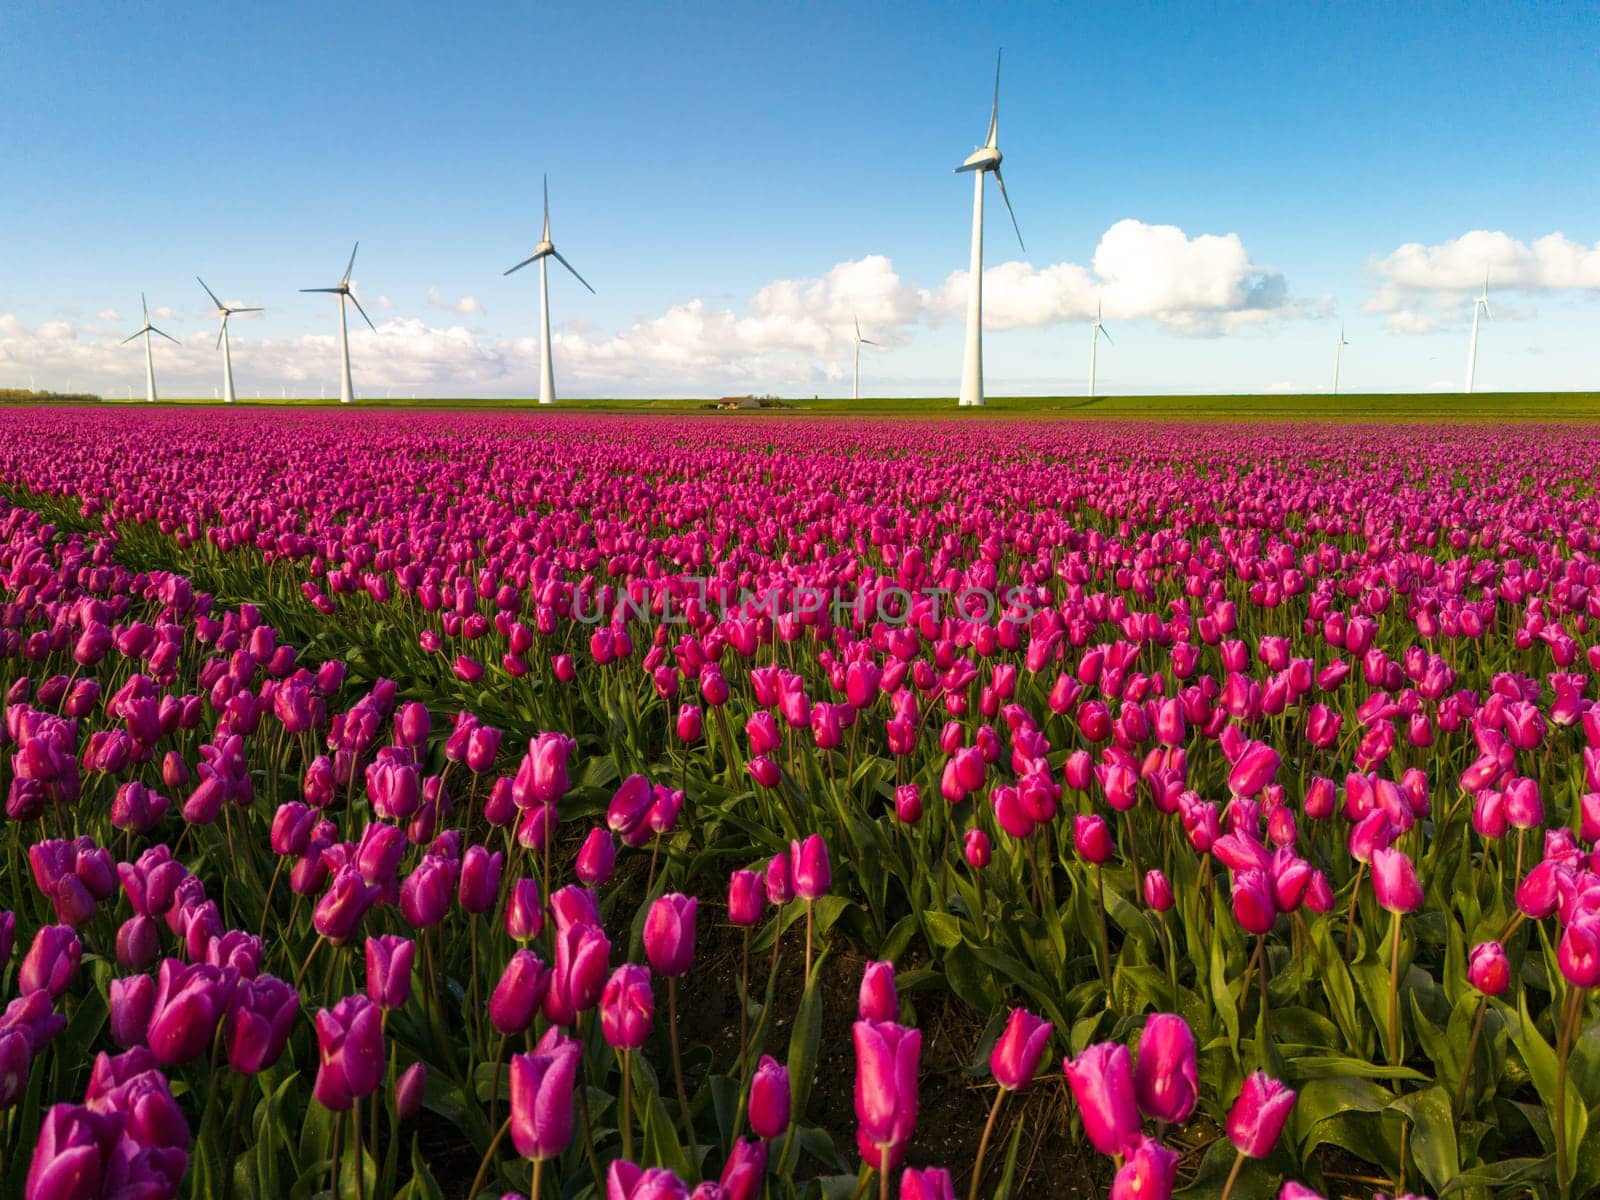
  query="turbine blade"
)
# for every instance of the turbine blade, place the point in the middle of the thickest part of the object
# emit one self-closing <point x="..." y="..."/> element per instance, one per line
<point x="166" y="335"/>
<point x="556" y="254"/>
<point x="1107" y="335"/>
<point x="868" y="342"/>
<point x="547" y="208"/>
<point x="240" y="310"/>
<point x="352" y="265"/>
<point x="362" y="311"/>
<point x="131" y="336"/>
<point x="1013" y="215"/>
<point x="330" y="290"/>
<point x="146" y="308"/>
<point x="210" y="293"/>
<point x="857" y="320"/>
<point x="1486" y="311"/>
<point x="222" y="332"/>
<point x="965" y="167"/>
<point x="532" y="259"/>
<point x="994" y="111"/>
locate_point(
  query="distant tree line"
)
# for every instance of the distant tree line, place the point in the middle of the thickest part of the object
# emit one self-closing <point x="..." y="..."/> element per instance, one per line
<point x="24" y="396"/>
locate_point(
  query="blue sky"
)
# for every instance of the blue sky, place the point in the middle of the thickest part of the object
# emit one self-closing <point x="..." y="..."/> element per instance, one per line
<point x="699" y="155"/>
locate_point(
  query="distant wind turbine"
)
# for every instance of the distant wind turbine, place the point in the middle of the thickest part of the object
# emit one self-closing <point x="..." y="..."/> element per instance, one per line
<point x="1095" y="332"/>
<point x="1338" y="353"/>
<point x="346" y="391"/>
<point x="225" y="312"/>
<point x="544" y="251"/>
<point x="149" y="358"/>
<point x="982" y="161"/>
<point x="860" y="342"/>
<point x="1480" y="304"/>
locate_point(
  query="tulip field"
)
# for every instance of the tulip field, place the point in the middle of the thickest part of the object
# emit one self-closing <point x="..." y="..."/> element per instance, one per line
<point x="462" y="805"/>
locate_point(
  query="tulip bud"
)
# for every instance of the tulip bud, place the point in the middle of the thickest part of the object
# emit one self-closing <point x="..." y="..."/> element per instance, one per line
<point x="409" y="1089"/>
<point x="1166" y="1078"/>
<point x="1018" y="1051"/>
<point x="1258" y="1115"/>
<point x="1487" y="968"/>
<point x="1101" y="1079"/>
<point x="887" y="1057"/>
<point x="809" y="865"/>
<point x="597" y="858"/>
<point x="1157" y="891"/>
<point x="522" y="988"/>
<point x="746" y="898"/>
<point x="524" y="911"/>
<point x="627" y="1007"/>
<point x="541" y="1097"/>
<point x="669" y="934"/>
<point x="878" y="1001"/>
<point x="769" y="1098"/>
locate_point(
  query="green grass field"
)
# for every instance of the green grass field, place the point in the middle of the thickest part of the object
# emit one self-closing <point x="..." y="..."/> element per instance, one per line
<point x="1494" y="406"/>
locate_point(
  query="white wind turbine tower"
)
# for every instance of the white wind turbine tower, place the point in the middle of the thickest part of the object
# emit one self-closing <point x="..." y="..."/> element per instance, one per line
<point x="346" y="391"/>
<point x="1480" y="304"/>
<point x="1095" y="333"/>
<point x="1338" y="353"/>
<point x="225" y="312"/>
<point x="149" y="359"/>
<point x="542" y="253"/>
<point x="860" y="342"/>
<point x="982" y="161"/>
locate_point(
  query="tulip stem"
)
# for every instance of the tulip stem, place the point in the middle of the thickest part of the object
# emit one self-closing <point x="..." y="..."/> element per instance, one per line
<point x="1571" y="1014"/>
<point x="538" y="1179"/>
<point x="809" y="905"/>
<point x="333" y="1162"/>
<point x="1394" y="991"/>
<point x="1472" y="1050"/>
<point x="1233" y="1175"/>
<point x="494" y="1079"/>
<point x="483" y="1167"/>
<point x="355" y="1137"/>
<point x="983" y="1144"/>
<point x="1350" y="916"/>
<point x="627" y="1104"/>
<point x="677" y="1065"/>
<point x="883" y="1174"/>
<point x="266" y="905"/>
<point x="300" y="975"/>
<point x="1105" y="940"/>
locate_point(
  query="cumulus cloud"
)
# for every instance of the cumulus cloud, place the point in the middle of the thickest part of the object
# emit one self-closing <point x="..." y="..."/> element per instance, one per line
<point x="384" y="302"/>
<point x="466" y="306"/>
<point x="108" y="315"/>
<point x="164" y="312"/>
<point x="792" y="336"/>
<point x="1206" y="284"/>
<point x="1418" y="288"/>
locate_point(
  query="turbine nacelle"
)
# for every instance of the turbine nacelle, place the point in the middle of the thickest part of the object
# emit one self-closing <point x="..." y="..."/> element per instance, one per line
<point x="984" y="158"/>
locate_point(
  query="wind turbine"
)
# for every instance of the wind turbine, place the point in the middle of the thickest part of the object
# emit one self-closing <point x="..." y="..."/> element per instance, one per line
<point x="1095" y="332"/>
<point x="544" y="251"/>
<point x="982" y="161"/>
<point x="149" y="359"/>
<point x="860" y="342"/>
<point x="346" y="391"/>
<point x="225" y="312"/>
<point x="1338" y="353"/>
<point x="1480" y="304"/>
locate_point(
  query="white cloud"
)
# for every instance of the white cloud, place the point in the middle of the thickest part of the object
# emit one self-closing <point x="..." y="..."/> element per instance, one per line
<point x="1421" y="288"/>
<point x="793" y="336"/>
<point x="467" y="305"/>
<point x="384" y="302"/>
<point x="108" y="315"/>
<point x="164" y="312"/>
<point x="1205" y="284"/>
